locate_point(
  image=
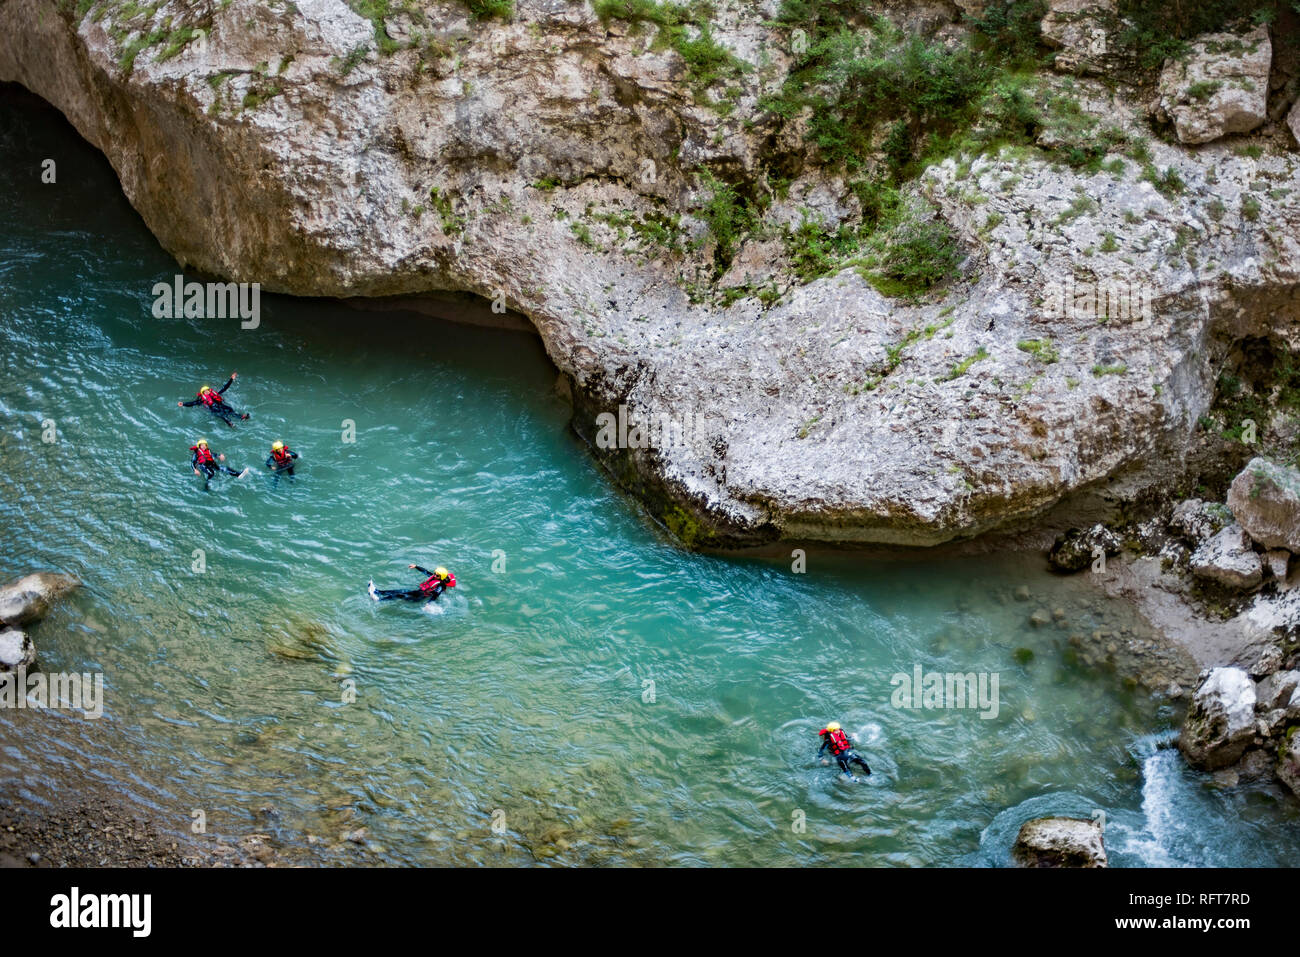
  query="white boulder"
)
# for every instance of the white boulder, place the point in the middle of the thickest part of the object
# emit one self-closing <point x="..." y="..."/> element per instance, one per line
<point x="1265" y="501"/>
<point x="1220" y="724"/>
<point x="1220" y="87"/>
<point x="16" y="650"/>
<point x="1060" y="842"/>
<point x="30" y="598"/>
<point x="1227" y="559"/>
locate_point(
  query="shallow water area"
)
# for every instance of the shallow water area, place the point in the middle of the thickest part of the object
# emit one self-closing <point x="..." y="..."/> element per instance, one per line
<point x="587" y="694"/>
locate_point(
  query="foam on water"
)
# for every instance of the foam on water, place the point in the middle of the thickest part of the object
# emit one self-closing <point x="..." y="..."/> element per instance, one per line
<point x="1152" y="843"/>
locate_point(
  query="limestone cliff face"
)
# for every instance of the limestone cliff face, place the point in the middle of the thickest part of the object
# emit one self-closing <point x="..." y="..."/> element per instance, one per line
<point x="529" y="160"/>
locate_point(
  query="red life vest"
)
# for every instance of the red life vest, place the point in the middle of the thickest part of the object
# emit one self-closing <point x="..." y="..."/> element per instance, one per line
<point x="203" y="455"/>
<point x="839" y="742"/>
<point x="281" y="455"/>
<point x="210" y="398"/>
<point x="433" y="580"/>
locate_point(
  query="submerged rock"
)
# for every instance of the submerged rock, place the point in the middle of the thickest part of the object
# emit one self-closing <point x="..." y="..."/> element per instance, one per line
<point x="301" y="639"/>
<point x="16" y="650"/>
<point x="1060" y="842"/>
<point x="1220" y="724"/>
<point x="30" y="598"/>
<point x="1265" y="500"/>
<point x="1227" y="559"/>
<point x="1219" y="87"/>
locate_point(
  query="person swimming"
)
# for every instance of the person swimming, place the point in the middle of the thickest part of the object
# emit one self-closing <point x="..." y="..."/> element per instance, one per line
<point x="281" y="459"/>
<point x="205" y="464"/>
<point x="841" y="746"/>
<point x="439" y="580"/>
<point x="213" y="400"/>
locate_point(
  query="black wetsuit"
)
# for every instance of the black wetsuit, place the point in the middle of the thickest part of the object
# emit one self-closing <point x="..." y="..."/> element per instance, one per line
<point x="284" y="465"/>
<point x="219" y="408"/>
<point x="415" y="594"/>
<point x="210" y="466"/>
<point x="846" y="758"/>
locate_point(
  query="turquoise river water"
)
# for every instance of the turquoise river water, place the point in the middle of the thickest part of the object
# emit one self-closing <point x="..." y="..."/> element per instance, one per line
<point x="589" y="693"/>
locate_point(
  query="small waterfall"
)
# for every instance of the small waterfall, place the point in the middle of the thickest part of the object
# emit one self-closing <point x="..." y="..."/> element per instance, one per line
<point x="1161" y="839"/>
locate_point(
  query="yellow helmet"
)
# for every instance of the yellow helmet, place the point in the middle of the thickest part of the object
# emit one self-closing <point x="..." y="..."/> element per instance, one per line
<point x="206" y="388"/>
<point x="277" y="445"/>
<point x="833" y="726"/>
<point x="441" y="572"/>
<point x="202" y="442"/>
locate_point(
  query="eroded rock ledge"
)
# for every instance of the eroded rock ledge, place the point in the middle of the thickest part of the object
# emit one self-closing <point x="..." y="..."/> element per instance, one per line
<point x="278" y="148"/>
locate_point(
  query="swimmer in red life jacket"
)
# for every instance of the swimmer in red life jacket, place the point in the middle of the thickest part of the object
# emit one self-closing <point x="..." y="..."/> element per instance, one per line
<point x="204" y="463"/>
<point x="281" y="458"/>
<point x="841" y="746"/>
<point x="439" y="580"/>
<point x="213" y="400"/>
